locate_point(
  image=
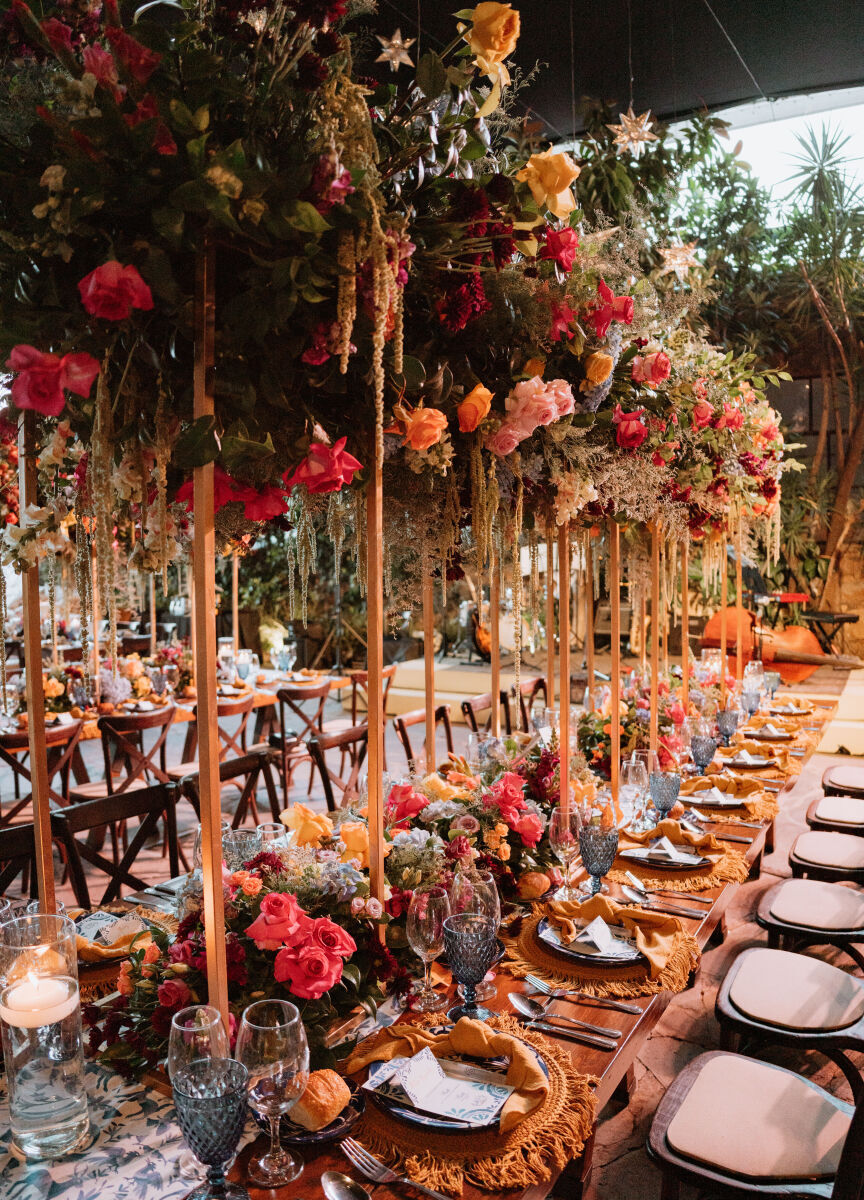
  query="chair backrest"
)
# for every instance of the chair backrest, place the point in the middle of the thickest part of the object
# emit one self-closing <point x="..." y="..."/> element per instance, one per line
<point x="63" y="739"/>
<point x="227" y="706"/>
<point x="251" y="767"/>
<point x="72" y="654"/>
<point x="150" y="804"/>
<point x="17" y="856"/>
<point x="527" y="693"/>
<point x="135" y="643"/>
<point x="360" y="692"/>
<point x="122" y="741"/>
<point x="473" y="707"/>
<point x="300" y="724"/>
<point x="417" y="716"/>
<point x="355" y="742"/>
<point x="849" y="1180"/>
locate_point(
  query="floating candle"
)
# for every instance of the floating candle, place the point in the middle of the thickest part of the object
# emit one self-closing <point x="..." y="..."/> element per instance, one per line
<point x="38" y="1000"/>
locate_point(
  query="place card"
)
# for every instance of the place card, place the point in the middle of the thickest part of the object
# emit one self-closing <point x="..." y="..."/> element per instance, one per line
<point x="471" y="1095"/>
<point x="772" y="730"/>
<point x="664" y="846"/>
<point x="109" y="928"/>
<point x="598" y="934"/>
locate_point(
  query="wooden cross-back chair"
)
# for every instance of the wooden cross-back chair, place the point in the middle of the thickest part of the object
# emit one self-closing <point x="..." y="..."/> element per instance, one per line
<point x="346" y="788"/>
<point x="360" y="700"/>
<point x="477" y="705"/>
<point x="525" y="695"/>
<point x="406" y="721"/>
<point x="61" y="742"/>
<point x="251" y="768"/>
<point x="295" y="726"/>
<point x="230" y="743"/>
<point x="18" y="857"/>
<point x="123" y="748"/>
<point x="149" y="804"/>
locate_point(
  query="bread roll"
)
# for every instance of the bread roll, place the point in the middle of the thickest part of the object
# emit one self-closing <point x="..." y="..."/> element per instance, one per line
<point x="533" y="884"/>
<point x="326" y="1095"/>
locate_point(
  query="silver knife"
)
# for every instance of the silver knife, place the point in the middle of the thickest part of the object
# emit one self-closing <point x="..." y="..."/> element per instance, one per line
<point x="732" y="837"/>
<point x="573" y="1035"/>
<point x="676" y="912"/>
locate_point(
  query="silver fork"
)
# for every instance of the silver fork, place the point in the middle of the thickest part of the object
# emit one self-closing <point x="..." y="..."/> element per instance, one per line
<point x="375" y="1170"/>
<point x="540" y="985"/>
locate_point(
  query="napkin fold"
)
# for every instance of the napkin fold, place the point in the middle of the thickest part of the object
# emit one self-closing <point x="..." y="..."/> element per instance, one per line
<point x="93" y="952"/>
<point x="703" y="843"/>
<point x="470" y="1038"/>
<point x="654" y="932"/>
<point x="723" y="783"/>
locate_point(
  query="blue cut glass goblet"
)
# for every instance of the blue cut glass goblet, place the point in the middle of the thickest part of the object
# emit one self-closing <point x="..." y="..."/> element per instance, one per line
<point x="727" y="723"/>
<point x="664" y="786"/>
<point x="750" y="702"/>
<point x="702" y="749"/>
<point x="598" y="847"/>
<point x="773" y="680"/>
<point x="471" y="947"/>
<point x="210" y="1095"/>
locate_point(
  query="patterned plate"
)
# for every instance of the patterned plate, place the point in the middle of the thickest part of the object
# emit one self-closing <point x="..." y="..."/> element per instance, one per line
<point x="590" y="954"/>
<point x="291" y="1134"/>
<point x="645" y="859"/>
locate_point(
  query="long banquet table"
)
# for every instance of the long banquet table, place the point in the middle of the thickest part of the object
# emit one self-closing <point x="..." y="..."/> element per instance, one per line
<point x="138" y="1137"/>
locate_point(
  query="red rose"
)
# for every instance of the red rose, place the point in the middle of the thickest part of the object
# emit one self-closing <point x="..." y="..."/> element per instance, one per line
<point x="163" y="142"/>
<point x="308" y="970"/>
<point x="137" y="59"/>
<point x="173" y="993"/>
<point x="459" y="847"/>
<point x="145" y="110"/>
<point x="403" y="803"/>
<point x="530" y="829"/>
<point x="702" y="415"/>
<point x="563" y="317"/>
<point x="651" y="369"/>
<point x="332" y="938"/>
<point x="261" y="506"/>
<point x="112" y="291"/>
<point x="610" y="308"/>
<point x="560" y="247"/>
<point x="225" y="490"/>
<point x="280" y="921"/>
<point x="631" y="433"/>
<point x="59" y="35"/>
<point x="324" y="469"/>
<point x="98" y="62"/>
<point x="42" y="378"/>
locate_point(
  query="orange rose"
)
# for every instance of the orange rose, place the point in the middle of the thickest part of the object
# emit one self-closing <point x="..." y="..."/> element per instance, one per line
<point x="534" y="366"/>
<point x="474" y="408"/>
<point x="424" y="427"/>
<point x="550" y="176"/>
<point x="125" y="985"/>
<point x="251" y="885"/>
<point x="598" y="368"/>
<point x="492" y="37"/>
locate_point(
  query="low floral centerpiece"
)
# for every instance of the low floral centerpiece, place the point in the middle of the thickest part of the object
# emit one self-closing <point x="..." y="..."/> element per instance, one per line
<point x="634" y="710"/>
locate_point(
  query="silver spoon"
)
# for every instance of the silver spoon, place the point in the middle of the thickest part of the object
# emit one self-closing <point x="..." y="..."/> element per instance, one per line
<point x="341" y="1187"/>
<point x="537" y="1012"/>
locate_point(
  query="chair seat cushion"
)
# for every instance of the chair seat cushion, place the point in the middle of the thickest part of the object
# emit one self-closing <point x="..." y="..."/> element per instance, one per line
<point x="95" y="791"/>
<point x="815" y="905"/>
<point x="793" y="991"/>
<point x="844" y="810"/>
<point x="846" y="776"/>
<point x="751" y="1119"/>
<point x="830" y="849"/>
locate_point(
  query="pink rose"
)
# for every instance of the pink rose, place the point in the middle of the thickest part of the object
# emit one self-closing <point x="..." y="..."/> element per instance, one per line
<point x="505" y="439"/>
<point x="466" y="824"/>
<point x="308" y="970"/>
<point x="459" y="847"/>
<point x="530" y="828"/>
<point x="528" y="406"/>
<point x="403" y="803"/>
<point x="561" y="393"/>
<point x="281" y="921"/>
<point x="324" y="469"/>
<point x="702" y="414"/>
<point x="332" y="938"/>
<point x="173" y="993"/>
<point x="509" y="788"/>
<point x="113" y="290"/>
<point x="560" y="247"/>
<point x="42" y="377"/>
<point x="651" y="369"/>
<point x="181" y="952"/>
<point x="631" y="433"/>
<point x="733" y="418"/>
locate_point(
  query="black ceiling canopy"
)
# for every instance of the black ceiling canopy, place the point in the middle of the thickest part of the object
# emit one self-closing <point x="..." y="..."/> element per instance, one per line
<point x="682" y="60"/>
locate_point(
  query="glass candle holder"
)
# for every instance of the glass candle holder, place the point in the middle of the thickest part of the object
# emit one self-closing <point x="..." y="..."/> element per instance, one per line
<point x="40" y="1014"/>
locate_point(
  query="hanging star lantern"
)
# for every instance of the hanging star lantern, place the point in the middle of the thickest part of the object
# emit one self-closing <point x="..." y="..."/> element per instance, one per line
<point x="633" y="133"/>
<point x="679" y="260"/>
<point x="395" y="50"/>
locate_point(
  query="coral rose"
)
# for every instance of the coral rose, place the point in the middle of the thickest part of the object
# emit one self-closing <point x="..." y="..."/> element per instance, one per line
<point x="598" y="367"/>
<point x="492" y="37"/>
<point x="403" y="803"/>
<point x="355" y="835"/>
<point x="424" y="427"/>
<point x="280" y="921"/>
<point x="651" y="369"/>
<point x="308" y="970"/>
<point x="125" y="986"/>
<point x="550" y="176"/>
<point x="702" y="414"/>
<point x="309" y="827"/>
<point x="173" y="993"/>
<point x="325" y="468"/>
<point x="332" y="938"/>
<point x="530" y="828"/>
<point x="112" y="291"/>
<point x="42" y="377"/>
<point x="474" y="408"/>
<point x="630" y="432"/>
<point x="505" y="439"/>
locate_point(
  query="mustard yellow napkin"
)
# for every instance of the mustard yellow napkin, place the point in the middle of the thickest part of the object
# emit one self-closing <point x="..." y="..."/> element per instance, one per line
<point x="95" y="952"/>
<point x="723" y="783"/>
<point x="704" y="843"/>
<point x="757" y="749"/>
<point x="470" y="1038"/>
<point x="654" y="932"/>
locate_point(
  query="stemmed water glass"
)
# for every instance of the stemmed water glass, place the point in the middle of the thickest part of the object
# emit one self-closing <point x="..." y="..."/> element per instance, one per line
<point x="197" y="853"/>
<point x="477" y="891"/>
<point x="197" y="1033"/>
<point x="471" y="944"/>
<point x="271" y="1044"/>
<point x="211" y="1102"/>
<point x="665" y="786"/>
<point x="243" y="663"/>
<point x="703" y="743"/>
<point x="598" y="842"/>
<point x="634" y="787"/>
<point x="270" y="832"/>
<point x="429" y="909"/>
<point x="564" y="839"/>
<point x="751" y="698"/>
<point x="773" y="680"/>
<point x="727" y="723"/>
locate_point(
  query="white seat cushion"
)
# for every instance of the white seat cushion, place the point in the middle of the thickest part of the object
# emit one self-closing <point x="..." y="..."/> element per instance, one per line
<point x="830" y="849"/>
<point x="793" y="991"/>
<point x="99" y="790"/>
<point x="815" y="905"/>
<point x="751" y="1119"/>
<point x="844" y="810"/>
<point x="844" y="775"/>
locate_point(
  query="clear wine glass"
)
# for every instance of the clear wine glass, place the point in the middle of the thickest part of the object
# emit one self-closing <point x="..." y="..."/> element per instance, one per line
<point x="477" y="891"/>
<point x="196" y="1033"/>
<point x="634" y="783"/>
<point x="564" y="839"/>
<point x="271" y="1045"/>
<point x="429" y="909"/>
<point x="239" y="846"/>
<point x="197" y="860"/>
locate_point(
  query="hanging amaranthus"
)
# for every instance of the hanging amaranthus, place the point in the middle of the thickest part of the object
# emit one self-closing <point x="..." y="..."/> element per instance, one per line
<point x="534" y="584"/>
<point x="517" y="582"/>
<point x="101" y="488"/>
<point x="336" y="524"/>
<point x="307" y="553"/>
<point x="359" y="498"/>
<point x="4" y="617"/>
<point x="84" y="587"/>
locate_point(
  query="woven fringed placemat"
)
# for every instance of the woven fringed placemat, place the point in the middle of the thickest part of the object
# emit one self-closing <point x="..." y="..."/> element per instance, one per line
<point x="758" y="805"/>
<point x="548" y="1138"/>
<point x="528" y="955"/>
<point x="731" y="867"/>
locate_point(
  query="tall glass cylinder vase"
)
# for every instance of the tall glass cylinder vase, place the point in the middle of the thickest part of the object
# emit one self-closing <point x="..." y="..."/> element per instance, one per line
<point x="40" y="1015"/>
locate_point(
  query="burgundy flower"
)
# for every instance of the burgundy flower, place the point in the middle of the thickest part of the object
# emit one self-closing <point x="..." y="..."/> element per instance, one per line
<point x="135" y="58"/>
<point x="462" y="303"/>
<point x="312" y="71"/>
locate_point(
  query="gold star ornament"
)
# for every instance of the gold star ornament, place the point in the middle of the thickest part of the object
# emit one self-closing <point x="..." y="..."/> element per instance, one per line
<point x="395" y="50"/>
<point x="679" y="260"/>
<point x="633" y="134"/>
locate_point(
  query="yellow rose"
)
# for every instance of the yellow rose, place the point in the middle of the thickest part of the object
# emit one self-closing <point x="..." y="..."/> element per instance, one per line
<point x="550" y="176"/>
<point x="53" y="687"/>
<point x="309" y="827"/>
<point x="474" y="408"/>
<point x="492" y="37"/>
<point x="440" y="789"/>
<point x="355" y="835"/>
<point x="598" y="368"/>
<point x="143" y="686"/>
